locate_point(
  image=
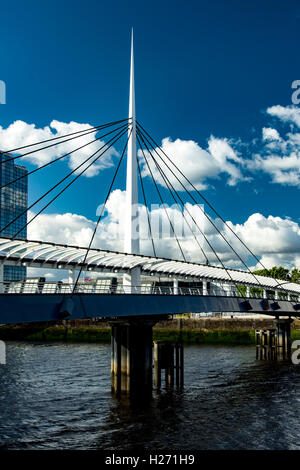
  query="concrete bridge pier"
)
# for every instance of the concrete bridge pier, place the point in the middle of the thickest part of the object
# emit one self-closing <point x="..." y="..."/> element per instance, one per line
<point x="266" y="344"/>
<point x="274" y="343"/>
<point x="168" y="356"/>
<point x="283" y="333"/>
<point x="131" y="357"/>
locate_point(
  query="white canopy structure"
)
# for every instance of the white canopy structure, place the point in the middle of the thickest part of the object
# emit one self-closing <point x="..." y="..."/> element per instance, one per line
<point x="39" y="254"/>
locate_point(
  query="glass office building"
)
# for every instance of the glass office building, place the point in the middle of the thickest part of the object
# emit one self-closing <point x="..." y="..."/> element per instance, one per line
<point x="12" y="203"/>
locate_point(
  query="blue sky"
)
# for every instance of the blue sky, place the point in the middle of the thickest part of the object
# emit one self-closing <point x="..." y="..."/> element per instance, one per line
<point x="202" y="69"/>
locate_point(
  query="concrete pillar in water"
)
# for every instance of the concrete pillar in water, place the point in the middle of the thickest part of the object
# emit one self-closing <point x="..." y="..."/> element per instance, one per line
<point x="266" y="344"/>
<point x="175" y="286"/>
<point x="274" y="344"/>
<point x="283" y="332"/>
<point x="165" y="352"/>
<point x="131" y="357"/>
<point x="204" y="287"/>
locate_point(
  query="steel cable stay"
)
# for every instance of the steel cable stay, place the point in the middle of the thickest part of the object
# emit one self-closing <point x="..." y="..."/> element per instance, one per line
<point x="169" y="185"/>
<point x="206" y="215"/>
<point x="146" y="205"/>
<point x="161" y="200"/>
<point x="150" y="144"/>
<point x="201" y="195"/>
<point x="114" y="140"/>
<point x="205" y="200"/>
<point x="63" y="156"/>
<point x="87" y="131"/>
<point x="54" y="145"/>
<point x="101" y="214"/>
<point x="215" y="253"/>
<point x="71" y="182"/>
<point x="172" y="191"/>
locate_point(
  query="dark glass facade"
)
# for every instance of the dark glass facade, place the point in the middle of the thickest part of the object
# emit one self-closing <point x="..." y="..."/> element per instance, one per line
<point x="13" y="202"/>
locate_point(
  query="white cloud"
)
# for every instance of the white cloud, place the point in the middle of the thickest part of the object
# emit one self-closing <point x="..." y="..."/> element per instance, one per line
<point x="20" y="133"/>
<point x="289" y="114"/>
<point x="277" y="155"/>
<point x="197" y="164"/>
<point x="270" y="134"/>
<point x="273" y="239"/>
<point x="71" y="229"/>
<point x="270" y="235"/>
<point x="280" y="156"/>
<point x="282" y="169"/>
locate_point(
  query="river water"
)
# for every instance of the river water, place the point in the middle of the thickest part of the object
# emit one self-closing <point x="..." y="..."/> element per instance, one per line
<point x="57" y="396"/>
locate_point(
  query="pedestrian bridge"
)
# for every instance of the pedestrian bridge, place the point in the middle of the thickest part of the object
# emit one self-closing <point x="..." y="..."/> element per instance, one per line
<point x="38" y="254"/>
<point x="130" y="290"/>
<point x="168" y="287"/>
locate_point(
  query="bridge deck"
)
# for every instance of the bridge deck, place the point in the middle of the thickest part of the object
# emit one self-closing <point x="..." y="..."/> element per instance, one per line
<point x="23" y="308"/>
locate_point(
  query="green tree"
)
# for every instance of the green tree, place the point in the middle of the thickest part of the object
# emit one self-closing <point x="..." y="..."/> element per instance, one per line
<point x="295" y="275"/>
<point x="277" y="272"/>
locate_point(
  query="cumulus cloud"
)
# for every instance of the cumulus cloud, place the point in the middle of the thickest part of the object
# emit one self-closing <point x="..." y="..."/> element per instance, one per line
<point x="67" y="228"/>
<point x="274" y="240"/>
<point x="19" y="134"/>
<point x="197" y="164"/>
<point x="270" y="235"/>
<point x="279" y="157"/>
<point x="74" y="229"/>
<point x="270" y="134"/>
<point x="289" y="114"/>
<point x="277" y="154"/>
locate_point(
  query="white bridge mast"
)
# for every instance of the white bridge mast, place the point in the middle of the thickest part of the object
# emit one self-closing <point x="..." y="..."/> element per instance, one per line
<point x="132" y="279"/>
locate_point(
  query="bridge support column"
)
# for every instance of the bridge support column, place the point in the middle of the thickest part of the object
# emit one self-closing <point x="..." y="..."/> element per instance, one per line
<point x="204" y="288"/>
<point x="168" y="356"/>
<point x="283" y="332"/>
<point x="132" y="281"/>
<point x="266" y="344"/>
<point x="175" y="286"/>
<point x="248" y="292"/>
<point x="274" y="343"/>
<point x="71" y="276"/>
<point x="131" y="357"/>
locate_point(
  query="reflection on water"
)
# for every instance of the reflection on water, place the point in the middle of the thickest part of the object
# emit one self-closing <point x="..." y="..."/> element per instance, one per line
<point x="58" y="396"/>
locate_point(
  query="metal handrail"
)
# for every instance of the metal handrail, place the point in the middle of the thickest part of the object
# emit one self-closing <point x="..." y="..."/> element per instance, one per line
<point x="36" y="286"/>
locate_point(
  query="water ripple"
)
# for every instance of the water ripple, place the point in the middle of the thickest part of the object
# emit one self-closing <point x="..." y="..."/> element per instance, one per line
<point x="57" y="396"/>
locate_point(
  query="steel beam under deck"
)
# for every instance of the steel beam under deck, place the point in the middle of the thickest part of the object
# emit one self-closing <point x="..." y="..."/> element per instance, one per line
<point x="23" y="308"/>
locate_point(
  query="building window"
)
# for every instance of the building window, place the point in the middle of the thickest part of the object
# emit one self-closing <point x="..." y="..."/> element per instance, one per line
<point x="13" y="201"/>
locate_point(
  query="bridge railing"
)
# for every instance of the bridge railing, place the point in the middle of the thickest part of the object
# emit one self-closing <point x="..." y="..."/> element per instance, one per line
<point x="36" y="286"/>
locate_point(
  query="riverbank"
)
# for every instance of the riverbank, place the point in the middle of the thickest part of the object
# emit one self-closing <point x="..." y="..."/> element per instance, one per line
<point x="193" y="331"/>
